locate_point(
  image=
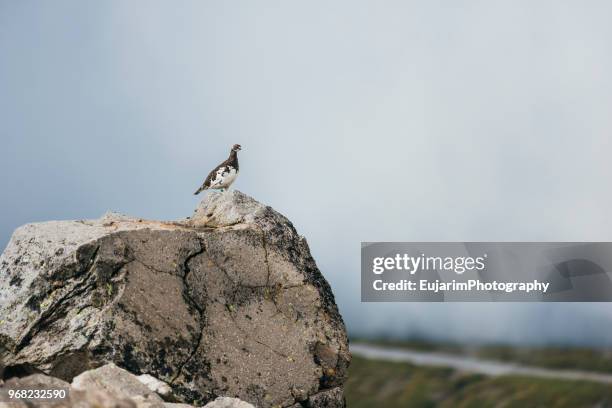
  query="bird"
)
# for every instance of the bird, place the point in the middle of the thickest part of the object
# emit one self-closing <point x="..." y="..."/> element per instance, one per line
<point x="224" y="174"/>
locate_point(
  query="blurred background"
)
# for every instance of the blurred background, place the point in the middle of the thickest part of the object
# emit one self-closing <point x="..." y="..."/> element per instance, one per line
<point x="359" y="120"/>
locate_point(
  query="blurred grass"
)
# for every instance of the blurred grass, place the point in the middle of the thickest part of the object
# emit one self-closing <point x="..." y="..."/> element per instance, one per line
<point x="374" y="383"/>
<point x="574" y="358"/>
<point x="552" y="357"/>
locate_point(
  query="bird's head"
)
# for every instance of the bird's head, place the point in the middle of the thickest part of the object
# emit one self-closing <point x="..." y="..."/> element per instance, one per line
<point x="236" y="147"/>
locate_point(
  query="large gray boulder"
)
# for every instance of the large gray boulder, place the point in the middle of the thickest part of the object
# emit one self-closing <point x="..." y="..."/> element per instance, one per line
<point x="227" y="303"/>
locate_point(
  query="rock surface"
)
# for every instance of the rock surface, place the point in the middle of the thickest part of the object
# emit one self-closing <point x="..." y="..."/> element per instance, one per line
<point x="227" y="303"/>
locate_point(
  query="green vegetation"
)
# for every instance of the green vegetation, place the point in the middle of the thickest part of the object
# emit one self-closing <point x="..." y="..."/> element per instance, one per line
<point x="552" y="357"/>
<point x="574" y="358"/>
<point x="375" y="384"/>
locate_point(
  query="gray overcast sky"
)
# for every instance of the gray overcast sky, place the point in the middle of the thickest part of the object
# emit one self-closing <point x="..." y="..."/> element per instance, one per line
<point x="359" y="120"/>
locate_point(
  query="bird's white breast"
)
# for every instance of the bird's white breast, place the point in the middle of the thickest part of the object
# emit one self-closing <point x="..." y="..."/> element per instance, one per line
<point x="224" y="178"/>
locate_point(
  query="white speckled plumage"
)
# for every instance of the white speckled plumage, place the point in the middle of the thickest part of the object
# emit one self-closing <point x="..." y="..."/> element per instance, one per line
<point x="222" y="176"/>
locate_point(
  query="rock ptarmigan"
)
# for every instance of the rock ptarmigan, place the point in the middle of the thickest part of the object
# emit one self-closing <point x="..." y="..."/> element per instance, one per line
<point x="224" y="174"/>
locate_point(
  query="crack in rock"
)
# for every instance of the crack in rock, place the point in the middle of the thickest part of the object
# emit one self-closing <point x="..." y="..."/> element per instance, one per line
<point x="196" y="306"/>
<point x="266" y="255"/>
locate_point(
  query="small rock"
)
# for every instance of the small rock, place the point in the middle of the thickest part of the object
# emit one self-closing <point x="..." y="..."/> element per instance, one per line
<point x="31" y="382"/>
<point x="117" y="382"/>
<point x="156" y="385"/>
<point x="226" y="402"/>
<point x="96" y="398"/>
<point x="36" y="381"/>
